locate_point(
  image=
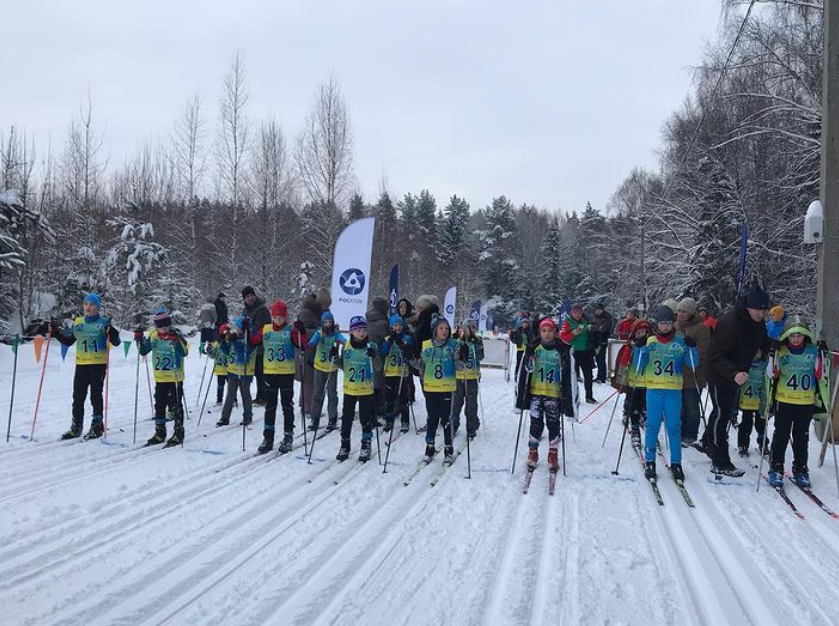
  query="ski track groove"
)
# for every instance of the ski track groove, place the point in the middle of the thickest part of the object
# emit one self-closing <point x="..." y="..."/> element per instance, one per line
<point x="160" y="506"/>
<point x="152" y="577"/>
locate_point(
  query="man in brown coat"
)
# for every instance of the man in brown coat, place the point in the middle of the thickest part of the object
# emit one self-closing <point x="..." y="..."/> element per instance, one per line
<point x="690" y="325"/>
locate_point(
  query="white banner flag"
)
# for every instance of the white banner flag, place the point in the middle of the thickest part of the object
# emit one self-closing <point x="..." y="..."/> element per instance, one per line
<point x="482" y="324"/>
<point x="448" y="308"/>
<point x="351" y="271"/>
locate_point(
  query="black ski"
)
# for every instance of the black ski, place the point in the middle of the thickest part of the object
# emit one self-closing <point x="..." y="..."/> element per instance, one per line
<point x="780" y="491"/>
<point x="653" y="484"/>
<point x="816" y="500"/>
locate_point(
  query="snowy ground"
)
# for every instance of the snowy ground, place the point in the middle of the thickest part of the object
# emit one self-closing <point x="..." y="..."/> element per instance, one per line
<point x="104" y="533"/>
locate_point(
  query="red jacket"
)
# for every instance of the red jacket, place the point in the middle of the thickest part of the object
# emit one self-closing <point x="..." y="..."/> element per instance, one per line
<point x="624" y="329"/>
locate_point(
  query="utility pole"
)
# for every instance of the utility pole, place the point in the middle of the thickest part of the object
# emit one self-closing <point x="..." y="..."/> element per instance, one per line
<point x="828" y="286"/>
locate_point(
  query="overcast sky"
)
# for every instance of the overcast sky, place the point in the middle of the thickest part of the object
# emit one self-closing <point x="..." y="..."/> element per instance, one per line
<point x="550" y="102"/>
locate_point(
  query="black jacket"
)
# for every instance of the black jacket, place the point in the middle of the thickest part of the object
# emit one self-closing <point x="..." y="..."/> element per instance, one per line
<point x="734" y="344"/>
<point x="260" y="316"/>
<point x="221" y="312"/>
<point x="567" y="400"/>
<point x="422" y="330"/>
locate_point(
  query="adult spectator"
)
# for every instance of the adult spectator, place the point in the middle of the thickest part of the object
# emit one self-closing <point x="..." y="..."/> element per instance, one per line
<point x="709" y="320"/>
<point x="222" y="316"/>
<point x="776" y="321"/>
<point x="576" y="332"/>
<point x="311" y="309"/>
<point x="740" y="333"/>
<point x="624" y="329"/>
<point x="521" y="337"/>
<point x="377" y="329"/>
<point x="601" y="330"/>
<point x="207" y="321"/>
<point x="689" y="324"/>
<point x="426" y="306"/>
<point x="256" y="309"/>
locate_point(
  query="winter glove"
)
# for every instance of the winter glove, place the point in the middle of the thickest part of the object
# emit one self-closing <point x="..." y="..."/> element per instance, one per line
<point x="138" y="335"/>
<point x="459" y="366"/>
<point x="774" y="345"/>
<point x="690" y="342"/>
<point x="464" y="352"/>
<point x="371" y="352"/>
<point x="339" y="362"/>
<point x="333" y="353"/>
<point x="246" y="324"/>
<point x="400" y="343"/>
<point x="822" y="346"/>
<point x="529" y="365"/>
<point x="300" y="326"/>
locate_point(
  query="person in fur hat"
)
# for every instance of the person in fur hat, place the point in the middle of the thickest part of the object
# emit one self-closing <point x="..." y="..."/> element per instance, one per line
<point x="311" y="313"/>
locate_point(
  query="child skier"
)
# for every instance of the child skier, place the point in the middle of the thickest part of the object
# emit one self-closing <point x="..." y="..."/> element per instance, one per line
<point x="470" y="353"/>
<point x="91" y="333"/>
<point x="545" y="390"/>
<point x="662" y="361"/>
<point x="358" y="359"/>
<point x="437" y="368"/>
<point x="635" y="389"/>
<point x="752" y="404"/>
<point x="576" y="332"/>
<point x="241" y="367"/>
<point x="797" y="370"/>
<point x="168" y="348"/>
<point x="325" y="342"/>
<point x="395" y="352"/>
<point x="279" y="350"/>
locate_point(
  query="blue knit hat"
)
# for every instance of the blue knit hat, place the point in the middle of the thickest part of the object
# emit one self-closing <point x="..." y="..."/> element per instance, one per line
<point x="94" y="299"/>
<point x="327" y="316"/>
<point x="436" y="320"/>
<point x="358" y="323"/>
<point x="396" y="319"/>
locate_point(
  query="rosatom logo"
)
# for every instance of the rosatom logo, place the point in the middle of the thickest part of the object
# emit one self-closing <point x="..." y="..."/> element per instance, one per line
<point x="450" y="309"/>
<point x="352" y="281"/>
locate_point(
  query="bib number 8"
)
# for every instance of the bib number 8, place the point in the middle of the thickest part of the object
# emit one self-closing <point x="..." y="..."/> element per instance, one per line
<point x="438" y="371"/>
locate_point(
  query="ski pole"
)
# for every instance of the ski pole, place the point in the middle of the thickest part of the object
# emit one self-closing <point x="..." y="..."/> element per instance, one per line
<point x="375" y="416"/>
<point x="317" y="422"/>
<point x="521" y="419"/>
<point x="107" y="382"/>
<point x="241" y="385"/>
<point x="40" y="386"/>
<point x="203" y="376"/>
<point x="562" y="441"/>
<point x="823" y="451"/>
<point x="184" y="401"/>
<point x="393" y="424"/>
<point x="612" y="416"/>
<point x="696" y="385"/>
<point x="303" y="394"/>
<point x="136" y="395"/>
<point x="207" y="390"/>
<point x="769" y="400"/>
<point x="626" y="427"/>
<point x="148" y="380"/>
<point x="468" y="438"/>
<point x="15" y="342"/>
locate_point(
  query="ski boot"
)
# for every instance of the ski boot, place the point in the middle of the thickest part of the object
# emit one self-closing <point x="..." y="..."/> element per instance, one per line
<point x="314" y="424"/>
<point x="471" y="434"/>
<point x="286" y="443"/>
<point x="259" y="402"/>
<point x="247" y="421"/>
<point x="224" y="421"/>
<point x="764" y="446"/>
<point x="802" y="478"/>
<point x="553" y="460"/>
<point x="727" y="470"/>
<point x="159" y="436"/>
<point x="267" y="443"/>
<point x="687" y="442"/>
<point x="176" y="439"/>
<point x="74" y="433"/>
<point x="97" y="429"/>
<point x="636" y="436"/>
<point x="649" y="471"/>
<point x="743" y="452"/>
<point x="776" y="479"/>
<point x="406" y="426"/>
<point x="532" y="457"/>
<point x="430" y="451"/>
<point x="677" y="472"/>
<point x="388" y="425"/>
<point x="366" y="451"/>
<point x="591" y="400"/>
<point x="448" y="451"/>
<point x="331" y="425"/>
<point x="344" y="452"/>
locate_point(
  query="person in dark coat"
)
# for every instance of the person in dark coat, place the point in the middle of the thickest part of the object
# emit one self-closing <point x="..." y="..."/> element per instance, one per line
<point x="740" y="333"/>
<point x="223" y="317"/>
<point x="426" y="307"/>
<point x="601" y="330"/>
<point x="377" y="330"/>
<point x="406" y="311"/>
<point x="310" y="314"/>
<point x="255" y="308"/>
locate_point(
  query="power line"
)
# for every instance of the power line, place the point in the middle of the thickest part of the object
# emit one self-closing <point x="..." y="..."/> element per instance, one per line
<point x="713" y="97"/>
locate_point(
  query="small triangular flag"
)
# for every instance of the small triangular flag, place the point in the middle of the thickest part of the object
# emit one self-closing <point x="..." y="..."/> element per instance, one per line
<point x="15" y="342"/>
<point x="127" y="346"/>
<point x="64" y="352"/>
<point x="38" y="343"/>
